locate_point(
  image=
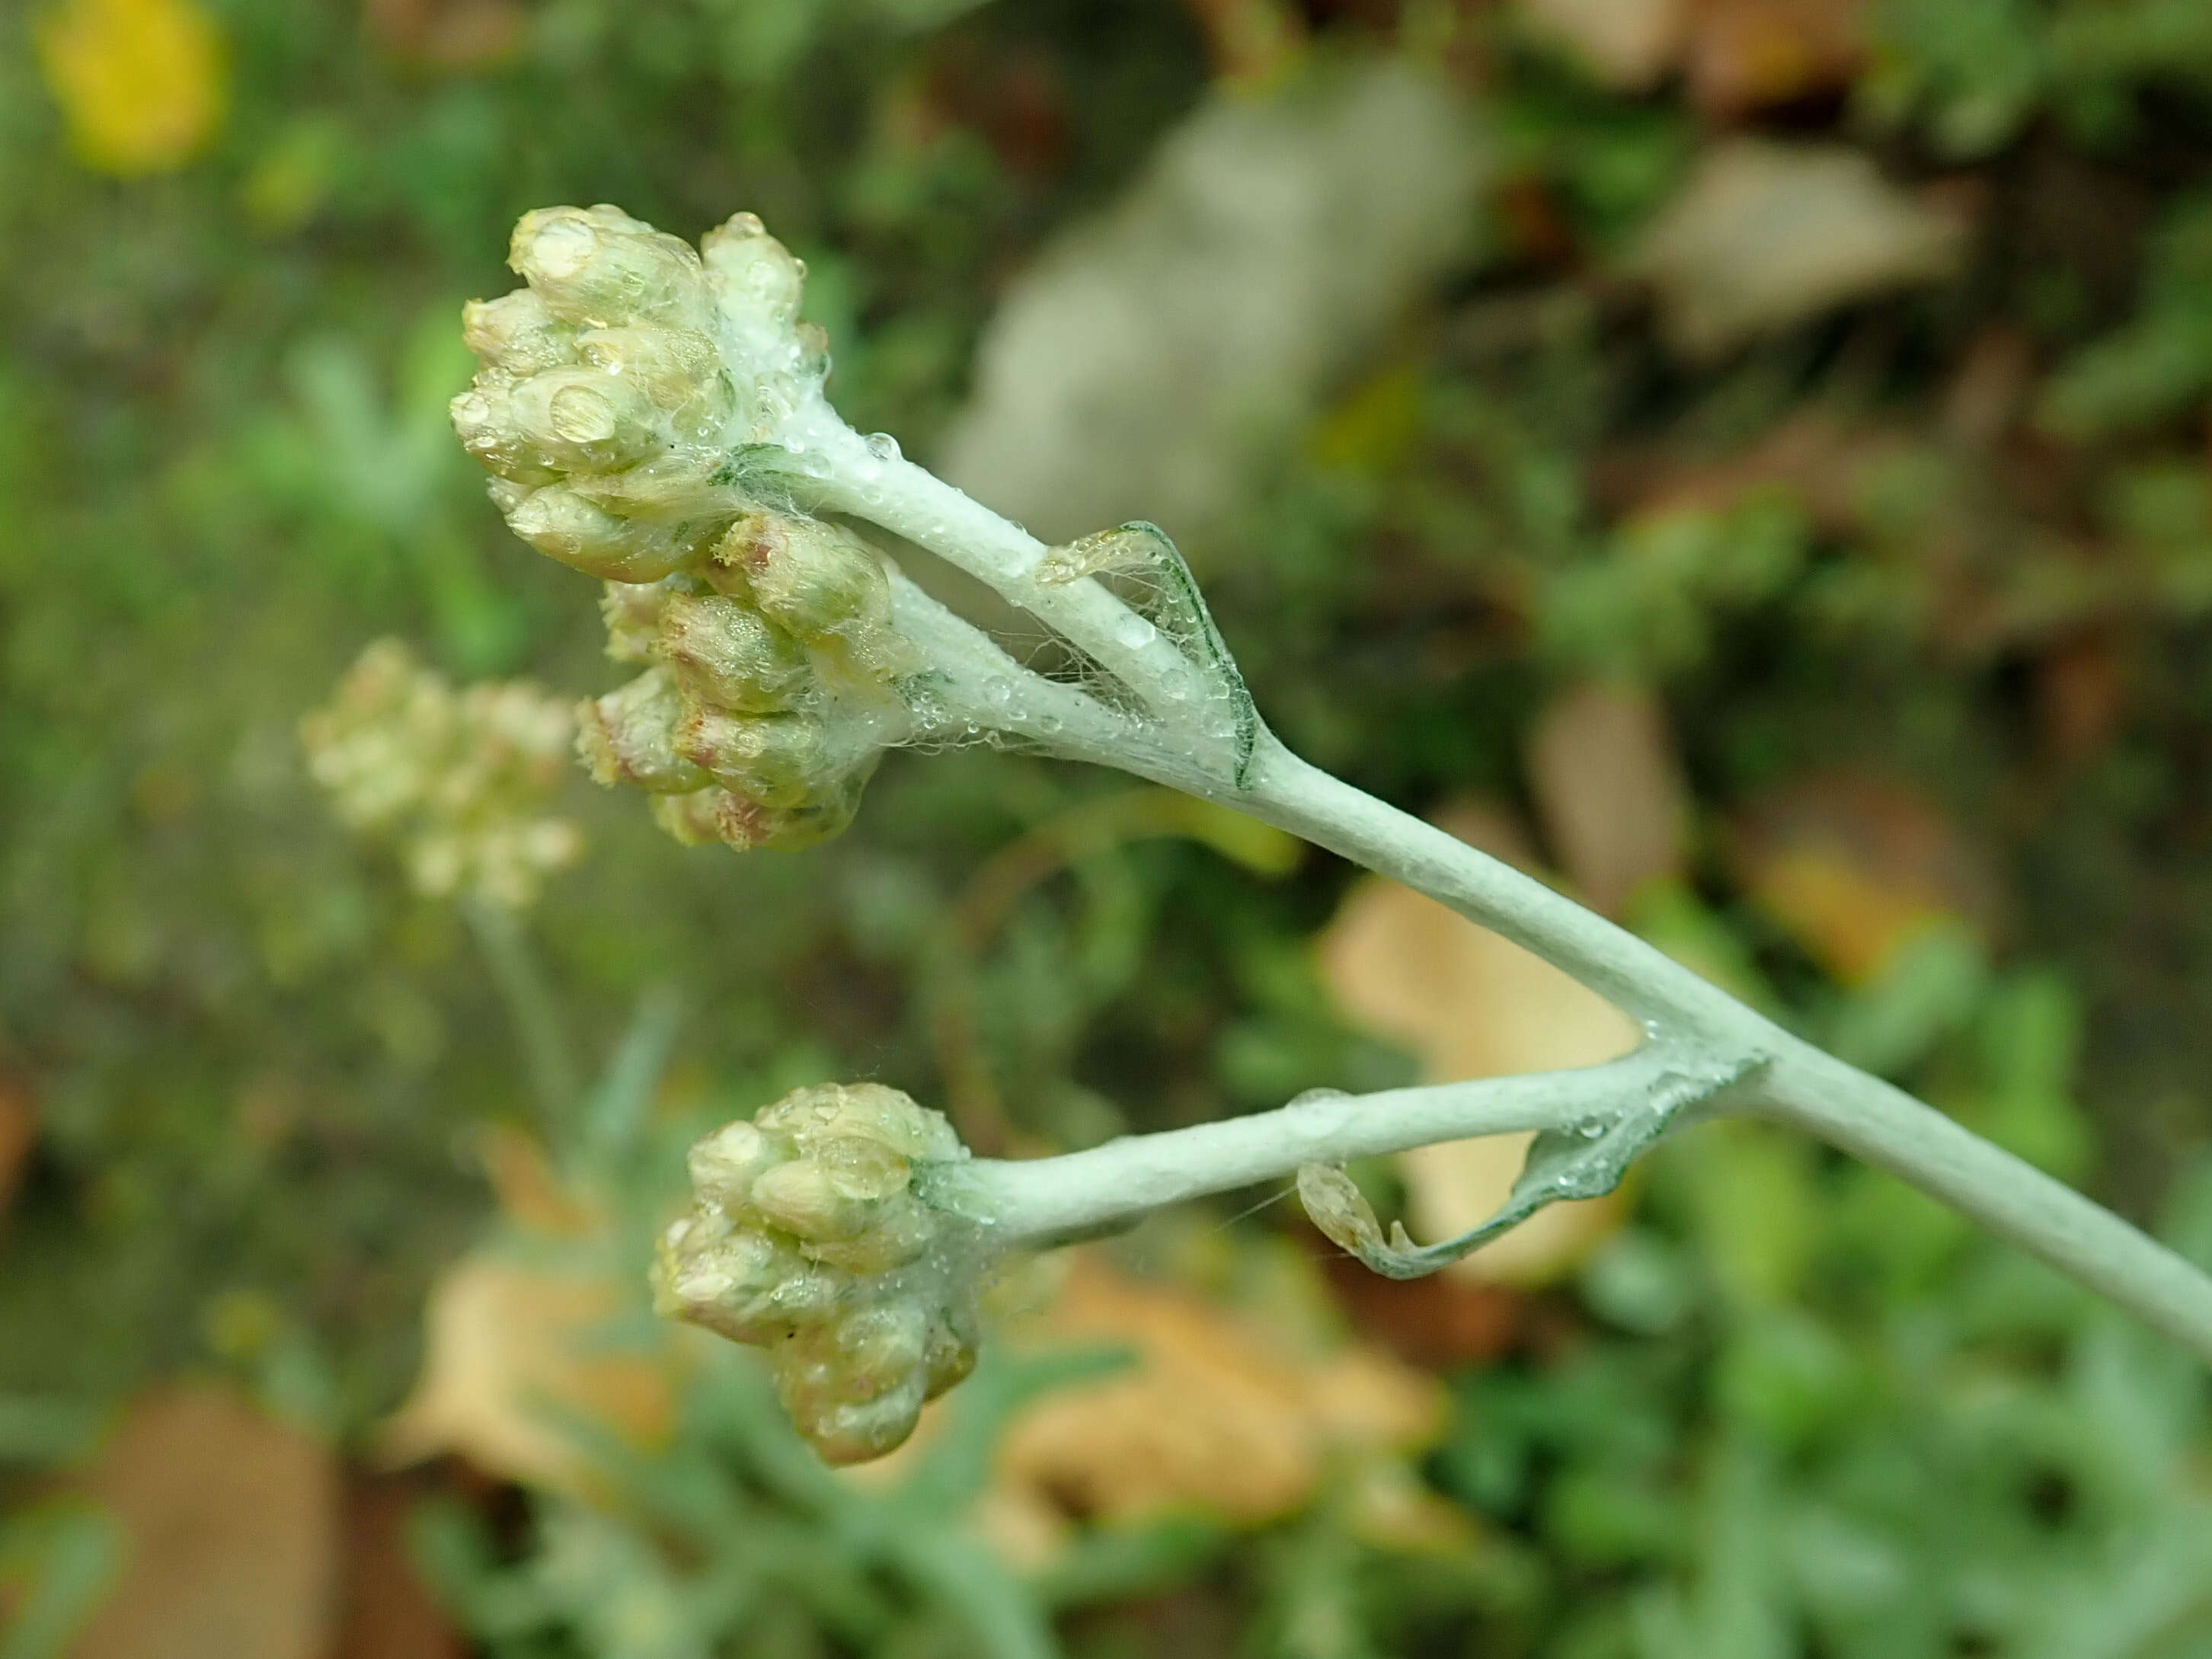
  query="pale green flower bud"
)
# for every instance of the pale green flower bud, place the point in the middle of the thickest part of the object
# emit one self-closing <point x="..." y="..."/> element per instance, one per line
<point x="631" y="736"/>
<point x="586" y="420"/>
<point x="899" y="1229"/>
<point x="599" y="267"/>
<point x="485" y="418"/>
<point x="678" y="369"/>
<point x="741" y="1285"/>
<point x="518" y="335"/>
<point x="834" y="1112"/>
<point x="632" y="612"/>
<point x="754" y="280"/>
<point x="858" y="1430"/>
<point x="954" y="1347"/>
<point x="778" y="760"/>
<point x="725" y="652"/>
<point x="806" y="1199"/>
<point x="719" y="814"/>
<point x="816" y="578"/>
<point x="809" y="1237"/>
<point x="560" y="523"/>
<point x="724" y="1166"/>
<point x="460" y="781"/>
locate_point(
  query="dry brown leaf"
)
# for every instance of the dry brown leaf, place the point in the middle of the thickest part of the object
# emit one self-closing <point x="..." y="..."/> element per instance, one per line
<point x="512" y="1346"/>
<point x="18" y="1128"/>
<point x="1819" y="460"/>
<point x="446" y="34"/>
<point x="229" y="1523"/>
<point x="1763" y="236"/>
<point x="1472" y="1005"/>
<point x="1853" y="865"/>
<point x="1626" y="45"/>
<point x="1746" y="55"/>
<point x="1602" y="767"/>
<point x="386" y="1610"/>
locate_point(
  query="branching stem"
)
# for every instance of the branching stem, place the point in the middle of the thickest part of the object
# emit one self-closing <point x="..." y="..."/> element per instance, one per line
<point x="1693" y="1029"/>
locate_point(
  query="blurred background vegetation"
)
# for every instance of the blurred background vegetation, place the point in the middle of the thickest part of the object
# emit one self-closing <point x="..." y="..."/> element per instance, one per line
<point x="1748" y="458"/>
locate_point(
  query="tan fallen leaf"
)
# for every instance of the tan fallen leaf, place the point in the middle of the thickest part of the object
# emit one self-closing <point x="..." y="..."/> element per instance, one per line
<point x="513" y="1345"/>
<point x="1626" y="45"/>
<point x="1601" y="765"/>
<point x="1213" y="1414"/>
<point x="516" y="1340"/>
<point x="1763" y="236"/>
<point x="229" y="1523"/>
<point x="1218" y="1413"/>
<point x="1472" y="1005"/>
<point x="1853" y="865"/>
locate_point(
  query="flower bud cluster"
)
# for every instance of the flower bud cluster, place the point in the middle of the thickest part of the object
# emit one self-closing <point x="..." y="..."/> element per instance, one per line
<point x="617" y="394"/>
<point x="769" y="693"/>
<point x="458" y="779"/>
<point x="805" y="1236"/>
<point x="613" y="389"/>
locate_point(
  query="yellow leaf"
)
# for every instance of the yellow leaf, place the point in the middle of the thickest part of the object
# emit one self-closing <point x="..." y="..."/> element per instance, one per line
<point x="1472" y="1005"/>
<point x="1856" y="865"/>
<point x="141" y="81"/>
<point x="229" y="1523"/>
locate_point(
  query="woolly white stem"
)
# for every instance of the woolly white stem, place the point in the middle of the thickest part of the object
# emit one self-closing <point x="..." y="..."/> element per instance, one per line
<point x="1684" y="1016"/>
<point x="1040" y="1198"/>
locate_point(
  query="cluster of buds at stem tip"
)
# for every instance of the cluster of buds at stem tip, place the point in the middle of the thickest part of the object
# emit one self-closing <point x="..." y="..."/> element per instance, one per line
<point x="460" y="780"/>
<point x="618" y="396"/>
<point x="807" y="1238"/>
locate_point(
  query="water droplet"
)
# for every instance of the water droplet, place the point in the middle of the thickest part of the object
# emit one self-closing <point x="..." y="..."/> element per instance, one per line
<point x="1591" y="1129"/>
<point x="1135" y="632"/>
<point x="883" y="445"/>
<point x="1051" y="722"/>
<point x="1316" y="1097"/>
<point x="997" y="692"/>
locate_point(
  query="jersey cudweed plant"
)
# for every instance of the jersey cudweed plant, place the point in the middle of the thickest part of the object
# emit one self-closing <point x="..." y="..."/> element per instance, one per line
<point x="655" y="417"/>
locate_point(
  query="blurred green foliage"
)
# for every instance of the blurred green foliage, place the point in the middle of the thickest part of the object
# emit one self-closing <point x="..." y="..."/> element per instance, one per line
<point x="1791" y="1410"/>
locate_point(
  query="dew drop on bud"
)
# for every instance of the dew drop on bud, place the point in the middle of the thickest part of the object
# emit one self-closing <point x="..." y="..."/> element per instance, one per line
<point x="997" y="692"/>
<point x="1135" y="632"/>
<point x="883" y="445"/>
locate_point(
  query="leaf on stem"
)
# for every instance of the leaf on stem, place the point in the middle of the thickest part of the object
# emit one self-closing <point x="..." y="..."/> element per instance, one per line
<point x="1471" y="1005"/>
<point x="1586" y="1160"/>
